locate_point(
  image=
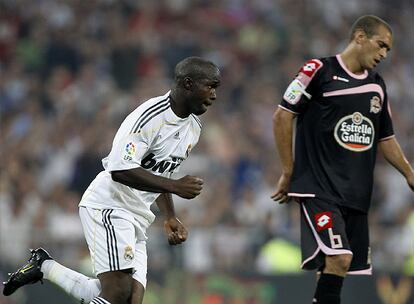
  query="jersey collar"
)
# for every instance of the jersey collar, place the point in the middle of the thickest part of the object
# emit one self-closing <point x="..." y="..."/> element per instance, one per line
<point x="353" y="75"/>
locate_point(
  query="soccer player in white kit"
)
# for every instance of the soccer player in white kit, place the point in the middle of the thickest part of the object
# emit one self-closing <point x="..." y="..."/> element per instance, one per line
<point x="115" y="212"/>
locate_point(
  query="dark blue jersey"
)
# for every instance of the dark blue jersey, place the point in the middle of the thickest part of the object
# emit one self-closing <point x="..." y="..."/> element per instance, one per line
<point x="341" y="117"/>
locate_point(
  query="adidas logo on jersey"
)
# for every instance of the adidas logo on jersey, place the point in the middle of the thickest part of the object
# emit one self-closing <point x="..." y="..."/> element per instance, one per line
<point x="149" y="162"/>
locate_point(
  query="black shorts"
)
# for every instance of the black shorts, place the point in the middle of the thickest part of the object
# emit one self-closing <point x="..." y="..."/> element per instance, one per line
<point x="329" y="229"/>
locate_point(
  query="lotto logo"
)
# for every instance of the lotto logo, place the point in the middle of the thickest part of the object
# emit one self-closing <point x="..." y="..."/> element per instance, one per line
<point x="323" y="221"/>
<point x="310" y="67"/>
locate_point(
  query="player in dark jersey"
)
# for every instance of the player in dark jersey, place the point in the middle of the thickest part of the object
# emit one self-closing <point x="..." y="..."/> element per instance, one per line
<point x="343" y="116"/>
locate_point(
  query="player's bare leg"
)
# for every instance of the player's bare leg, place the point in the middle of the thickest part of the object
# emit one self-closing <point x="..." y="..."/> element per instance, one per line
<point x="116" y="286"/>
<point x="337" y="264"/>
<point x="137" y="293"/>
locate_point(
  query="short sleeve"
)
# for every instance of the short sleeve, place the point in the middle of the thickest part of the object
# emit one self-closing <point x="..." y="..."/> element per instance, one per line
<point x="128" y="151"/>
<point x="386" y="129"/>
<point x="299" y="92"/>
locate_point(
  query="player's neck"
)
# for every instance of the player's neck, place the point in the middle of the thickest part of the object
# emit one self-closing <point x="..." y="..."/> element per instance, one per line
<point x="178" y="109"/>
<point x="349" y="58"/>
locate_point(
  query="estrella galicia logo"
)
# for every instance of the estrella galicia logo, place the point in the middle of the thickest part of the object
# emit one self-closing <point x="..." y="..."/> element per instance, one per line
<point x="355" y="132"/>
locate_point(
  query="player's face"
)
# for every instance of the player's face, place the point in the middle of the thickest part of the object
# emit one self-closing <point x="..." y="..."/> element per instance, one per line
<point x="204" y="93"/>
<point x="376" y="48"/>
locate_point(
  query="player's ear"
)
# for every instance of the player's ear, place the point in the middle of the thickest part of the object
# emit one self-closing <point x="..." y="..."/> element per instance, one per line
<point x="188" y="83"/>
<point x="360" y="36"/>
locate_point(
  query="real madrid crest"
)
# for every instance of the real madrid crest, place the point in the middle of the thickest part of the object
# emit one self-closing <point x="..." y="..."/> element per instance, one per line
<point x="188" y="150"/>
<point x="128" y="253"/>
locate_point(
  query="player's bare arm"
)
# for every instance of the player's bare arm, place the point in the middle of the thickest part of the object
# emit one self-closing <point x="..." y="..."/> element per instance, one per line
<point x="283" y="133"/>
<point x="395" y="156"/>
<point x="186" y="187"/>
<point x="175" y="230"/>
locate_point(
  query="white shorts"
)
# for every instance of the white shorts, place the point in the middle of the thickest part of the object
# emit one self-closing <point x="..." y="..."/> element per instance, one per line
<point x="116" y="241"/>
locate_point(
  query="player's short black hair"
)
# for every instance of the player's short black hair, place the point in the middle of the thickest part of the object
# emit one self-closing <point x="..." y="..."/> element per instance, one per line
<point x="369" y="24"/>
<point x="193" y="67"/>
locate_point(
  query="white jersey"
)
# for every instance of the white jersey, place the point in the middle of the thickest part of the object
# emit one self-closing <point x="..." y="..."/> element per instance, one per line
<point x="152" y="137"/>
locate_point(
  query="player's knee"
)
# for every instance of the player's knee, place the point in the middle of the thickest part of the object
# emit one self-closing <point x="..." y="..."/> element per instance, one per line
<point x="118" y="294"/>
<point x="345" y="261"/>
<point x="338" y="264"/>
<point x="117" y="288"/>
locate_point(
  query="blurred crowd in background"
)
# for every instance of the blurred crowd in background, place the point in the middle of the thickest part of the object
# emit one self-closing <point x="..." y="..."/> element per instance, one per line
<point x="70" y="71"/>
